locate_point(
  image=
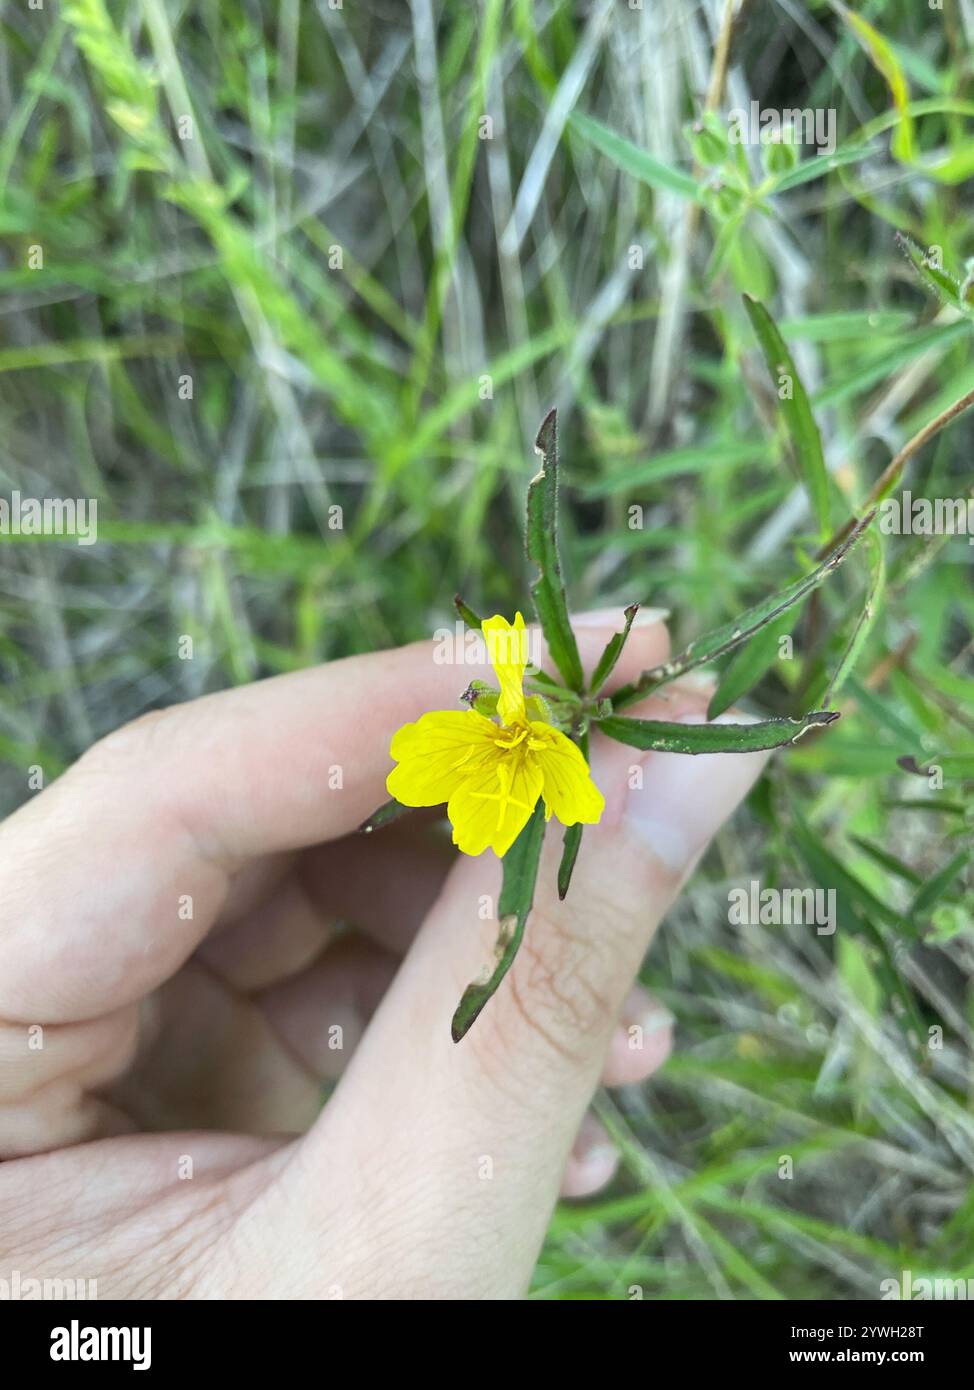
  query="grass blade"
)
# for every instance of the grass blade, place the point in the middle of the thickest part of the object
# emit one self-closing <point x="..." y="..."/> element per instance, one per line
<point x="634" y="161"/>
<point x="935" y="888"/>
<point x="865" y="620"/>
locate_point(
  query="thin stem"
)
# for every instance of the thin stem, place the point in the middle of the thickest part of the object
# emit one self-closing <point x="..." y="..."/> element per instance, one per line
<point x="889" y="477"/>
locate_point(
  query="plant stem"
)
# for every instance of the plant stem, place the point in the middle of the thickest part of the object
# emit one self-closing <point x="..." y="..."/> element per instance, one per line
<point x="889" y="477"/>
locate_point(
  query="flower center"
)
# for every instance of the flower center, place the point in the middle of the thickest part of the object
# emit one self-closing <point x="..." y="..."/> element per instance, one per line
<point x="510" y="736"/>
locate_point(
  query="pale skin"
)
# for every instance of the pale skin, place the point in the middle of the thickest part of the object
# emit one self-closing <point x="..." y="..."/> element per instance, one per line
<point x="196" y="1039"/>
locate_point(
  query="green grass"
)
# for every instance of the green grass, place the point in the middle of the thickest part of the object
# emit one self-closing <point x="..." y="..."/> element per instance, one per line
<point x="583" y="257"/>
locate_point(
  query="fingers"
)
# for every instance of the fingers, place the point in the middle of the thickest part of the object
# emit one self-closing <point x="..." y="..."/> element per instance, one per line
<point x="641" y="1041"/>
<point x="385" y="883"/>
<point x="321" y="1014"/>
<point x="210" y="1059"/>
<point x="640" y="1044"/>
<point x="45" y="1073"/>
<point x="112" y="876"/>
<point x="593" y="1161"/>
<point x="500" y="1112"/>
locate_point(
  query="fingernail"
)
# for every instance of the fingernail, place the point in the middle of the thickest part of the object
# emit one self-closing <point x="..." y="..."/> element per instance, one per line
<point x="583" y="1177"/>
<point x="602" y="1156"/>
<point x="658" y="1020"/>
<point x="615" y="618"/>
<point x="649" y="1014"/>
<point x="684" y="798"/>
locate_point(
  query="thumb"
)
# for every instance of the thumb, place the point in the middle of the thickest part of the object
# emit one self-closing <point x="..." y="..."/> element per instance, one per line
<point x="473" y="1138"/>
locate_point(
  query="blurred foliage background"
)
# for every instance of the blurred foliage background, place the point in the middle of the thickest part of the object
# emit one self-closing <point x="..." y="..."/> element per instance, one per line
<point x="304" y="257"/>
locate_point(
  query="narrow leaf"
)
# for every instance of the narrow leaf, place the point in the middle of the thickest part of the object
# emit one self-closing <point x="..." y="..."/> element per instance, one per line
<point x="466" y="613"/>
<point x="795" y="410"/>
<point x="725" y="639"/>
<point x="935" y="888"/>
<point x="857" y="910"/>
<point x="856" y="897"/>
<point x="548" y="590"/>
<point x="517" y="894"/>
<point x="391" y="811"/>
<point x="672" y="463"/>
<point x="664" y="737"/>
<point x="819" y="166"/>
<point x="885" y="61"/>
<point x="573" y="841"/>
<point x="634" y="161"/>
<point x="933" y="277"/>
<point x="886" y="860"/>
<point x="750" y="664"/>
<point x="865" y="620"/>
<point x="613" y="650"/>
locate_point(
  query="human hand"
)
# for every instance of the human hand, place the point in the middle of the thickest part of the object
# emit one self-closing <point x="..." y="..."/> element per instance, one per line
<point x="168" y="911"/>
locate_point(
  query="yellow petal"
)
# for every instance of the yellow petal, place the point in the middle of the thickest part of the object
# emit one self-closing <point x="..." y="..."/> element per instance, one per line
<point x="568" y="787"/>
<point x="507" y="652"/>
<point x="436" y="753"/>
<point x="492" y="804"/>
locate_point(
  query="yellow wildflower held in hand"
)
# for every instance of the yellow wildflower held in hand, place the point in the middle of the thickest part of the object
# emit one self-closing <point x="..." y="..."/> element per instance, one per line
<point x="492" y="774"/>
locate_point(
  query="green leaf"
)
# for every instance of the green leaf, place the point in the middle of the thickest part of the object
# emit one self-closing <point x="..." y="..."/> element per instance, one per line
<point x="877" y="583"/>
<point x="853" y="381"/>
<point x="882" y="716"/>
<point x="817" y="167"/>
<point x="934" y="277"/>
<point x="673" y="462"/>
<point x="517" y="895"/>
<point x="632" y="160"/>
<point x="613" y="650"/>
<point x="664" y="737"/>
<point x="935" y="888"/>
<point x="886" y="860"/>
<point x="573" y="837"/>
<point x="572" y="842"/>
<point x="466" y="613"/>
<point x="860" y="911"/>
<point x="885" y="61"/>
<point x="548" y="590"/>
<point x="796" y="411"/>
<point x="859" y="905"/>
<point x="724" y="639"/>
<point x="386" y="813"/>
<point x="857" y="974"/>
<point x="750" y="664"/>
<point x="855" y="324"/>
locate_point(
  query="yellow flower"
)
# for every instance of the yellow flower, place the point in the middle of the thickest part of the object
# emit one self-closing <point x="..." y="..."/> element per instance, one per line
<point x="491" y="775"/>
